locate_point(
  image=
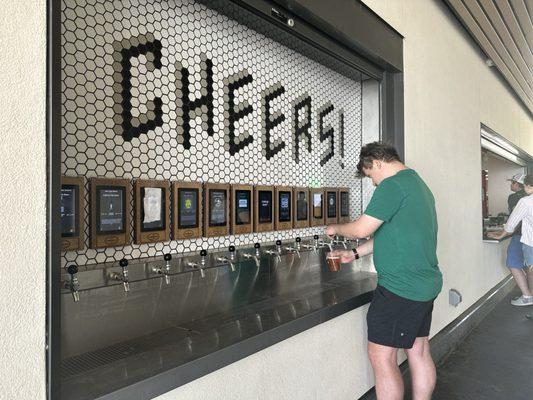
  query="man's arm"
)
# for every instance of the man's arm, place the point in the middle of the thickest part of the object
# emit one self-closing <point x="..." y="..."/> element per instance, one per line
<point x="361" y="228"/>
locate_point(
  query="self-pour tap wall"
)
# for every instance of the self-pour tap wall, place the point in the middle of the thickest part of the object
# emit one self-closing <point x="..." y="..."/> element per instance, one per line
<point x="172" y="90"/>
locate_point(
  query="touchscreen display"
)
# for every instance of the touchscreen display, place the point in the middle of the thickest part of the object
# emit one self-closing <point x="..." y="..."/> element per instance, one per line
<point x="69" y="210"/>
<point x="345" y="205"/>
<point x="332" y="204"/>
<point x="317" y="205"/>
<point x="265" y="206"/>
<point x="217" y="204"/>
<point x="284" y="206"/>
<point x="111" y="203"/>
<point x="242" y="207"/>
<point x="301" y="206"/>
<point x="153" y="208"/>
<point x="187" y="208"/>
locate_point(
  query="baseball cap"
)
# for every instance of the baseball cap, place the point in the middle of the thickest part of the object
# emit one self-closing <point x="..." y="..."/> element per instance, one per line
<point x="518" y="178"/>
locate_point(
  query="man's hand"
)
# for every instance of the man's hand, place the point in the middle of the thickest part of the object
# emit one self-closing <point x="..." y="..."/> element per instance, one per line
<point x="345" y="255"/>
<point x="331" y="230"/>
<point x="497" y="235"/>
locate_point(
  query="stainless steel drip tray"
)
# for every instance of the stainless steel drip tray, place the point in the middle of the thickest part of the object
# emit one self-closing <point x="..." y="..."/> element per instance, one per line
<point x="156" y="363"/>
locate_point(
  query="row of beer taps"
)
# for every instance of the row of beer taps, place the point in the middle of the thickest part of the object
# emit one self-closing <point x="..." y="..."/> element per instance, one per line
<point x="230" y="259"/>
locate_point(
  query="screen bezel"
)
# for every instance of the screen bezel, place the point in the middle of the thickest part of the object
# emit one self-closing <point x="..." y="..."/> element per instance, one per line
<point x="347" y="197"/>
<point x="280" y="193"/>
<point x="259" y="207"/>
<point x="197" y="213"/>
<point x="328" y="193"/>
<point x="98" y="189"/>
<point x="163" y="210"/>
<point x="236" y="206"/>
<point x="321" y="205"/>
<point x="76" y="232"/>
<point x="306" y="193"/>
<point x="210" y="191"/>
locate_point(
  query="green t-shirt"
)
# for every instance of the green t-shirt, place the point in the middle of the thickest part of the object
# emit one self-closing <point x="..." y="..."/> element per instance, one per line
<point x="405" y="244"/>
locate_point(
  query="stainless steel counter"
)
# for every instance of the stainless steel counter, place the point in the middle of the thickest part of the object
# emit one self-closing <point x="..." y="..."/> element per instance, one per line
<point x="168" y="330"/>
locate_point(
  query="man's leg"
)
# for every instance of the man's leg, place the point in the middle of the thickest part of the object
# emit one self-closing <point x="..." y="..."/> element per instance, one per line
<point x="529" y="274"/>
<point x="422" y="368"/>
<point x="522" y="281"/>
<point x="389" y="383"/>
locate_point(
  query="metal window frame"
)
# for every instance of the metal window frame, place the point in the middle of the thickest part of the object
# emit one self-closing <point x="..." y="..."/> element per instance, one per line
<point x="316" y="31"/>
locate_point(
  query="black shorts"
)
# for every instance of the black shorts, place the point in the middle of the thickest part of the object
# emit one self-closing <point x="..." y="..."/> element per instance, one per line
<point x="395" y="321"/>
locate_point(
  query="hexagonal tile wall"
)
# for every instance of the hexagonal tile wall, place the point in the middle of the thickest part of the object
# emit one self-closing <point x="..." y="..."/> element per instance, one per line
<point x="174" y="90"/>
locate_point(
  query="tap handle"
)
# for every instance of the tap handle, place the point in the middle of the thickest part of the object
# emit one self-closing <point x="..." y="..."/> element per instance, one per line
<point x="278" y="242"/>
<point x="123" y="263"/>
<point x="257" y="245"/>
<point x="203" y="253"/>
<point x="167" y="257"/>
<point x="315" y="237"/>
<point x="72" y="269"/>
<point x="298" y="239"/>
<point x="231" y="249"/>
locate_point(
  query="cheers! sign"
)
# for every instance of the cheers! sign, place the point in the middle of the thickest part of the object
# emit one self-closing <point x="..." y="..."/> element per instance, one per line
<point x="189" y="108"/>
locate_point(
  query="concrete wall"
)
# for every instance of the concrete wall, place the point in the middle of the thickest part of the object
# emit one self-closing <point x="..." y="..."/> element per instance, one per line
<point x="23" y="199"/>
<point x="448" y="92"/>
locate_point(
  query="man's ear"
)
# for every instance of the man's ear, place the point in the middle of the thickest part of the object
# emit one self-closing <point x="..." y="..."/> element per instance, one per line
<point x="377" y="164"/>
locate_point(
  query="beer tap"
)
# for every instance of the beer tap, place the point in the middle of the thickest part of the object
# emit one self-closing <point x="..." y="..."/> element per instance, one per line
<point x="293" y="249"/>
<point x="256" y="256"/>
<point x="202" y="264"/>
<point x="167" y="257"/>
<point x="125" y="280"/>
<point x="229" y="260"/>
<point x="338" y="240"/>
<point x="74" y="284"/>
<point x="307" y="246"/>
<point x="298" y="242"/>
<point x="276" y="252"/>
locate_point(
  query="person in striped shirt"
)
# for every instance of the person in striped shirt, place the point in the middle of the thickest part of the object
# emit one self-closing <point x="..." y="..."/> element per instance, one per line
<point x="523" y="212"/>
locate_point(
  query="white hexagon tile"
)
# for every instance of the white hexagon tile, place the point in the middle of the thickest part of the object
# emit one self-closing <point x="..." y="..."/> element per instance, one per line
<point x="174" y="90"/>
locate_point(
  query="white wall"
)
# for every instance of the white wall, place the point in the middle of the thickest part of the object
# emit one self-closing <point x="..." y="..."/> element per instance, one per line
<point x="448" y="92"/>
<point x="22" y="199"/>
<point x="499" y="170"/>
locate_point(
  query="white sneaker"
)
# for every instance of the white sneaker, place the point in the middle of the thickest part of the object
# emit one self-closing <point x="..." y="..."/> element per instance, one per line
<point x="522" y="301"/>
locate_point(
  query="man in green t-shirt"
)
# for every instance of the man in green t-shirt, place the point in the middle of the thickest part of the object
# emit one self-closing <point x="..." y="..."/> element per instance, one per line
<point x="402" y="219"/>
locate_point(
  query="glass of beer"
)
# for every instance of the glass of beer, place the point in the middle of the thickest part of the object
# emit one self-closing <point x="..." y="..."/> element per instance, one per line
<point x="334" y="262"/>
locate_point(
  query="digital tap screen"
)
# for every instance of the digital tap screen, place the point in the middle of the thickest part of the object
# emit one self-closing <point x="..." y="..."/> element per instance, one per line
<point x="301" y="206"/>
<point x="153" y="208"/>
<point x="317" y="205"/>
<point x="284" y="206"/>
<point x="345" y="205"/>
<point x="188" y="208"/>
<point x="69" y="210"/>
<point x="265" y="206"/>
<point x="111" y="203"/>
<point x="217" y="204"/>
<point x="332" y="204"/>
<point x="242" y="207"/>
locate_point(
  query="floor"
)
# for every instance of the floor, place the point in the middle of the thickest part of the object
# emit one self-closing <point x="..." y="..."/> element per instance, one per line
<point x="494" y="362"/>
